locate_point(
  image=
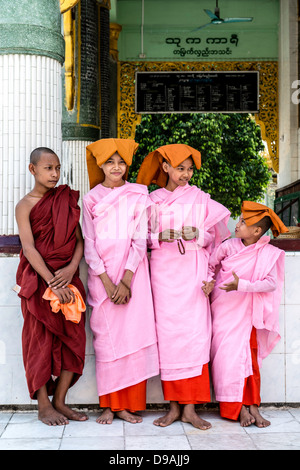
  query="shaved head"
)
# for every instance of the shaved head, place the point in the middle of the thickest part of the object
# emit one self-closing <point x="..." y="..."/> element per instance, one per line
<point x="265" y="223"/>
<point x="37" y="153"/>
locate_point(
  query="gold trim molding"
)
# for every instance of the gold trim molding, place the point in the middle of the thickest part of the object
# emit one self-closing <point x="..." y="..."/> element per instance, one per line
<point x="114" y="32"/>
<point x="267" y="117"/>
<point x="66" y="5"/>
<point x="69" y="36"/>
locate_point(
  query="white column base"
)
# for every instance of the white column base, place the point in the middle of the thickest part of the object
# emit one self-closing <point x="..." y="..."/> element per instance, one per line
<point x="30" y="117"/>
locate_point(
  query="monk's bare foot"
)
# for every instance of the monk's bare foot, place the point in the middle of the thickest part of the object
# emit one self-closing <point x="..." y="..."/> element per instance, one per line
<point x="69" y="413"/>
<point x="246" y="419"/>
<point x="260" y="422"/>
<point x="106" y="417"/>
<point x="48" y="415"/>
<point x="169" y="418"/>
<point x="189" y="415"/>
<point x="130" y="417"/>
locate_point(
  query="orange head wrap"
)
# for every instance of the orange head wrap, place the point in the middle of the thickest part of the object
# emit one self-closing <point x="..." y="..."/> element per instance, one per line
<point x="100" y="151"/>
<point x="151" y="170"/>
<point x="253" y="212"/>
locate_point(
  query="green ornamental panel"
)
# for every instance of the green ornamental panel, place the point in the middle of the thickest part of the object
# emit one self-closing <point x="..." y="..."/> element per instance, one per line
<point x="181" y="30"/>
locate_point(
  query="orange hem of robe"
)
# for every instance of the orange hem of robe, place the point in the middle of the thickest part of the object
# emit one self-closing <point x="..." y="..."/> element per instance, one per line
<point x="131" y="398"/>
<point x="193" y="390"/>
<point x="251" y="395"/>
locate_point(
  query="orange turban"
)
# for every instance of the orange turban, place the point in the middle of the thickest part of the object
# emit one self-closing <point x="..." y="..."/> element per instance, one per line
<point x="253" y="212"/>
<point x="151" y="170"/>
<point x="100" y="151"/>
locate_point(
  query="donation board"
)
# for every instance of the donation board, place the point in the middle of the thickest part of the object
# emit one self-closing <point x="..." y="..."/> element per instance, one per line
<point x="190" y="92"/>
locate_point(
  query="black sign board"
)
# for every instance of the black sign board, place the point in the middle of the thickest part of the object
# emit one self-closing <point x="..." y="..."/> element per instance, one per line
<point x="190" y="92"/>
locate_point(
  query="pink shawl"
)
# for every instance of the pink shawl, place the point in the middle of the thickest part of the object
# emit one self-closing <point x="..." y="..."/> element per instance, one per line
<point x="260" y="268"/>
<point x="181" y="309"/>
<point x="115" y="225"/>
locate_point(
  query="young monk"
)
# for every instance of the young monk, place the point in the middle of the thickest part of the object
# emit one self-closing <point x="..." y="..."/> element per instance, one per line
<point x="52" y="247"/>
<point x="115" y="224"/>
<point x="245" y="303"/>
<point x="186" y="225"/>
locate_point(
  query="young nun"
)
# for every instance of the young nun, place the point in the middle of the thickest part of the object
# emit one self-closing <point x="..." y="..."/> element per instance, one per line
<point x="186" y="224"/>
<point x="115" y="222"/>
<point x="245" y="309"/>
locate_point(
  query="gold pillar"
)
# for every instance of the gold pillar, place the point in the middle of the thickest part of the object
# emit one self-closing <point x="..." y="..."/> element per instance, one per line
<point x="66" y="5"/>
<point x="114" y="32"/>
<point x="69" y="35"/>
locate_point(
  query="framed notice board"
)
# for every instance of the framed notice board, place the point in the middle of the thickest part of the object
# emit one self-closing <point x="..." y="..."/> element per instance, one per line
<point x="192" y="92"/>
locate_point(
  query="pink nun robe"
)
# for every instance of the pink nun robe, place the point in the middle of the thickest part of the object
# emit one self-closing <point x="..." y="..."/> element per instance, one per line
<point x="115" y="230"/>
<point x="183" y="319"/>
<point x="260" y="268"/>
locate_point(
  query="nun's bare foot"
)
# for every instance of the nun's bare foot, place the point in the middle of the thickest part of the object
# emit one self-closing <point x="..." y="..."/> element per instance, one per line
<point x="172" y="415"/>
<point x="260" y="422"/>
<point x="130" y="417"/>
<point x="189" y="415"/>
<point x="106" y="417"/>
<point x="246" y="419"/>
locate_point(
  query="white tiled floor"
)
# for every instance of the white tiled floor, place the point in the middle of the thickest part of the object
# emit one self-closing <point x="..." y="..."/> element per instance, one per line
<point x="23" y="431"/>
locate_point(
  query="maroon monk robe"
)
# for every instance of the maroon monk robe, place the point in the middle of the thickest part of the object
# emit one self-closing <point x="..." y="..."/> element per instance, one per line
<point x="50" y="342"/>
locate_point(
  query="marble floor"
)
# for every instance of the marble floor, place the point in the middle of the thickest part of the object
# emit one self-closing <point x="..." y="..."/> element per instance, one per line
<point x="21" y="430"/>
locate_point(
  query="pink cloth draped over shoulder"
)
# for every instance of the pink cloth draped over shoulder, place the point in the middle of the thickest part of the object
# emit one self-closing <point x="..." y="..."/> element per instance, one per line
<point x="115" y="225"/>
<point x="260" y="268"/>
<point x="182" y="311"/>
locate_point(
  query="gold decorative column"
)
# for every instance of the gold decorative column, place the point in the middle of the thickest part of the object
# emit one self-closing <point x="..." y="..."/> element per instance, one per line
<point x="69" y="35"/>
<point x="114" y="30"/>
<point x="66" y="5"/>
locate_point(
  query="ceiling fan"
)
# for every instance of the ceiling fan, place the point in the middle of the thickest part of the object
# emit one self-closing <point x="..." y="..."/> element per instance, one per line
<point x="216" y="19"/>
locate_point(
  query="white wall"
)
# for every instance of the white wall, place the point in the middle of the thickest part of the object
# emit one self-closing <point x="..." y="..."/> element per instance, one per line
<point x="280" y="371"/>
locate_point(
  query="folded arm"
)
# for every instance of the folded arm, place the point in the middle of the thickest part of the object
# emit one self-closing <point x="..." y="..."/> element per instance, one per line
<point x="268" y="284"/>
<point x="63" y="277"/>
<point x="31" y="253"/>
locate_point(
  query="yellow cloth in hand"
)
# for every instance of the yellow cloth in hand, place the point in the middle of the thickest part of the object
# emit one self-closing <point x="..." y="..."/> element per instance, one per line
<point x="72" y="310"/>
